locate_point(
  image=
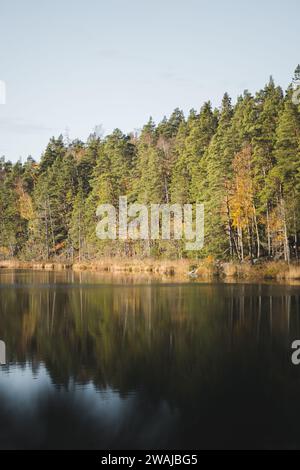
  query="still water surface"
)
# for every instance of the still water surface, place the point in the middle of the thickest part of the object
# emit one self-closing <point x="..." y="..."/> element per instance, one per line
<point x="110" y="363"/>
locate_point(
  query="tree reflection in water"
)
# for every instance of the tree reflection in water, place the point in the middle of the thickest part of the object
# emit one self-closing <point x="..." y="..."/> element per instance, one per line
<point x="101" y="364"/>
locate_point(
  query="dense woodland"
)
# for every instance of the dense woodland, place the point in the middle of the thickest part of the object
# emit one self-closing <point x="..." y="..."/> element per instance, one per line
<point x="242" y="161"/>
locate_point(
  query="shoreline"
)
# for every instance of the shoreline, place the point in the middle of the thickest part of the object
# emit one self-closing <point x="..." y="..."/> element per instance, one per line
<point x="187" y="269"/>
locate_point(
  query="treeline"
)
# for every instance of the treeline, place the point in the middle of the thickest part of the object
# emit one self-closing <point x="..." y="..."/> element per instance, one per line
<point x="242" y="161"/>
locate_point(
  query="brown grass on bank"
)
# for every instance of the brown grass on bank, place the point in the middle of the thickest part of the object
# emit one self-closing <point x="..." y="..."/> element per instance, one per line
<point x="184" y="268"/>
<point x="207" y="268"/>
<point x="14" y="264"/>
<point x="115" y="265"/>
<point x="292" y="272"/>
<point x="267" y="270"/>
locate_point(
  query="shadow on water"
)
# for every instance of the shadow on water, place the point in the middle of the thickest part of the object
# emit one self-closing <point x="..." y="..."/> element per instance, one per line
<point x="103" y="364"/>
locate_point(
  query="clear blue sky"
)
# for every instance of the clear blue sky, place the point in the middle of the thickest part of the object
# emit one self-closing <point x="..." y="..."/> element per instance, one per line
<point x="77" y="64"/>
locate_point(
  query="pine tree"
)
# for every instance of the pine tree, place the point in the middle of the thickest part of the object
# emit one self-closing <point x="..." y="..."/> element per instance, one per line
<point x="284" y="177"/>
<point x="54" y="150"/>
<point x="11" y="223"/>
<point x="217" y="164"/>
<point x="268" y="103"/>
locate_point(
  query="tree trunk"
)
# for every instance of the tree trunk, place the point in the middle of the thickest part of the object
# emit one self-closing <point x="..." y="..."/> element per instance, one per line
<point x="268" y="232"/>
<point x="257" y="232"/>
<point x="286" y="240"/>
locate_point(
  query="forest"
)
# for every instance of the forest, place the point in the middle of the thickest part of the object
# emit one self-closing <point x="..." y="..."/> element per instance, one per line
<point x="242" y="161"/>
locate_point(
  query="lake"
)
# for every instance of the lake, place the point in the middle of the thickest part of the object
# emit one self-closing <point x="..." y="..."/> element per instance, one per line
<point x="101" y="362"/>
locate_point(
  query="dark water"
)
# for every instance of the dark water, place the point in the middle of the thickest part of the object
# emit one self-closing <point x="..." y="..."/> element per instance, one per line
<point x="105" y="364"/>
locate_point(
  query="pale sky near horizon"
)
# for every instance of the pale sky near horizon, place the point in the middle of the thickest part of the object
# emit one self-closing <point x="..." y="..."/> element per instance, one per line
<point x="78" y="64"/>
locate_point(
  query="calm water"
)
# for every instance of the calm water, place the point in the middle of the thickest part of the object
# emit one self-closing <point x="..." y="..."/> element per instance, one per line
<point x="108" y="364"/>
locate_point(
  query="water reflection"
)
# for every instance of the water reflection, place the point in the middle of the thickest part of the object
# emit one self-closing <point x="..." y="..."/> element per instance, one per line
<point x="96" y="364"/>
